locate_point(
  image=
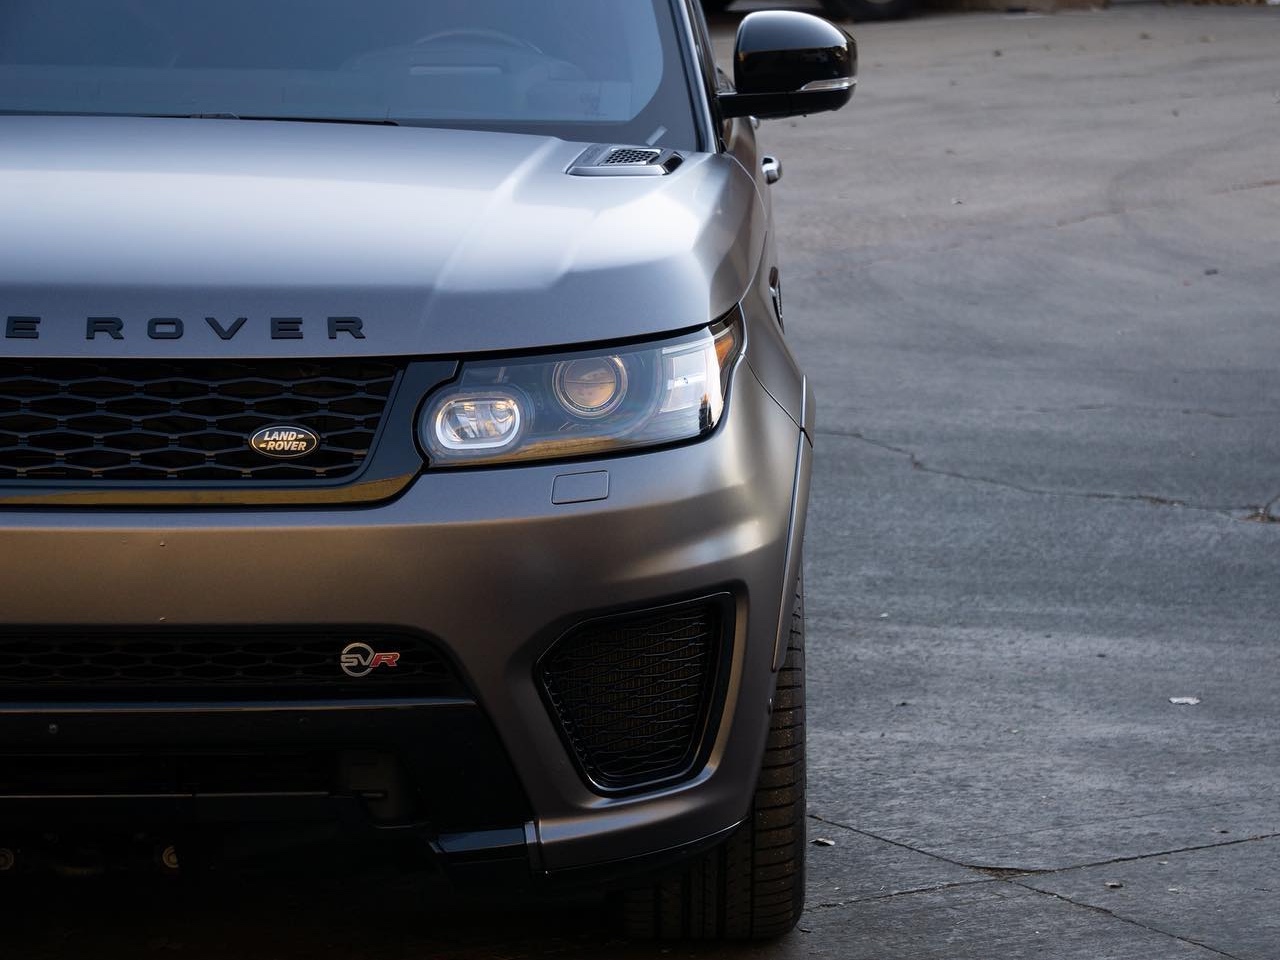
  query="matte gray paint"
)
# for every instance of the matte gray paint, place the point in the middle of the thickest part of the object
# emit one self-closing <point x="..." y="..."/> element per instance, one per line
<point x="441" y="241"/>
<point x="793" y="564"/>
<point x="767" y="349"/>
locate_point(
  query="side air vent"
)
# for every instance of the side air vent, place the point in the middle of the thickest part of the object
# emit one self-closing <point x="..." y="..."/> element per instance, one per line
<point x="613" y="160"/>
<point x="635" y="696"/>
<point x="630" y="156"/>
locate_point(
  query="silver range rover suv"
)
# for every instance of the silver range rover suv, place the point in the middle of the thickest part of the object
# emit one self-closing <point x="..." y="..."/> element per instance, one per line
<point x="398" y="441"/>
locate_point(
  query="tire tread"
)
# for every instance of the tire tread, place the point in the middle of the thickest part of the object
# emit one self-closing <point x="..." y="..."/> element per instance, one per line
<point x="751" y="887"/>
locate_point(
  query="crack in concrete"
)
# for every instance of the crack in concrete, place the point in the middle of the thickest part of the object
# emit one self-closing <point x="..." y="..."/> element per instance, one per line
<point x="1152" y="411"/>
<point x="1250" y="512"/>
<point x="1126" y="209"/>
<point x="1129" y="920"/>
<point x="1181" y="808"/>
<point x="931" y="888"/>
<point x="1130" y="859"/>
<point x="1011" y="877"/>
<point x="995" y="871"/>
<point x="1007" y="873"/>
<point x="894" y="843"/>
<point x="1264" y="513"/>
<point x="977" y="231"/>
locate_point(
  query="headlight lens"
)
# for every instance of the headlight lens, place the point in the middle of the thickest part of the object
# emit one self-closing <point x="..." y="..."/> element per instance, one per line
<point x="478" y="422"/>
<point x="591" y="386"/>
<point x="584" y="403"/>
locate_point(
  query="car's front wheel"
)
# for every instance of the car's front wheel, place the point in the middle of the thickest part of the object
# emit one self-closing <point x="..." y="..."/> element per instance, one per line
<point x="751" y="887"/>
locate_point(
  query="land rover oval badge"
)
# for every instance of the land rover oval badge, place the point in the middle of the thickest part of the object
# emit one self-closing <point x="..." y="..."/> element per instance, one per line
<point x="284" y="442"/>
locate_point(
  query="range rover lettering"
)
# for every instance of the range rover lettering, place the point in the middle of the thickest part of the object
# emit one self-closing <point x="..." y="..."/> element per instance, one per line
<point x="398" y="438"/>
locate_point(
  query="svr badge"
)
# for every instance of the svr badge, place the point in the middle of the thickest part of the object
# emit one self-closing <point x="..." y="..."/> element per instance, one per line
<point x="284" y="442"/>
<point x="360" y="660"/>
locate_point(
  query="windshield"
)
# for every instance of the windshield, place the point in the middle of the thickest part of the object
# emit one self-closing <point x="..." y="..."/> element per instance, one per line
<point x="594" y="70"/>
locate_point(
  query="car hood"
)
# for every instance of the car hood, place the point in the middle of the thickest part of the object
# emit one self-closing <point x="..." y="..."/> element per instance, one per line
<point x="438" y="241"/>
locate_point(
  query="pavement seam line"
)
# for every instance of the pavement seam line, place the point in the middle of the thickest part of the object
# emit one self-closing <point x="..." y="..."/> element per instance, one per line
<point x="1264" y="514"/>
<point x="1148" y="856"/>
<point x="1231" y="513"/>
<point x="895" y="843"/>
<point x="1123" y="919"/>
<point x="1181" y="809"/>
<point x="990" y="870"/>
<point x="970" y="234"/>
<point x="1154" y="411"/>
<point x="1126" y="209"/>
<point x="931" y="888"/>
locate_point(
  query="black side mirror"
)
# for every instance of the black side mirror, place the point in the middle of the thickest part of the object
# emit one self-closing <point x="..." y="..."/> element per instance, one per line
<point x="787" y="63"/>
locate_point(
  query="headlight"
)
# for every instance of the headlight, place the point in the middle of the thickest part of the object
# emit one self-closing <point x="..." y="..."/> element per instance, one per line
<point x="582" y="403"/>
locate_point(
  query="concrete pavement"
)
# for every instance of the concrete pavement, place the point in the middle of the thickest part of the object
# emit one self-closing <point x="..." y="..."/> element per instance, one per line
<point x="1041" y="311"/>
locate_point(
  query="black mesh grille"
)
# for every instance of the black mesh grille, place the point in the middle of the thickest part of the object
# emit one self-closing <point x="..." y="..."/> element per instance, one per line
<point x="156" y="420"/>
<point x="633" y="695"/>
<point x="40" y="664"/>
<point x="632" y="156"/>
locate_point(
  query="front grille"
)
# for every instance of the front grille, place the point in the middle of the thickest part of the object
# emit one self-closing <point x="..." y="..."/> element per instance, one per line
<point x="633" y="695"/>
<point x="175" y="421"/>
<point x="252" y="663"/>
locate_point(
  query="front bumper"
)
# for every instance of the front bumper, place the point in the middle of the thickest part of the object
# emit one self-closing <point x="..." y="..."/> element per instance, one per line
<point x="485" y="562"/>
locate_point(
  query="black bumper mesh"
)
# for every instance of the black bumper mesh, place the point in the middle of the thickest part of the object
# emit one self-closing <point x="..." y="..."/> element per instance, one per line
<point x="633" y="696"/>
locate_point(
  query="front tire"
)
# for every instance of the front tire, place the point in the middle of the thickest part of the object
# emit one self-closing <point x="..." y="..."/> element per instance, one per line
<point x="751" y="887"/>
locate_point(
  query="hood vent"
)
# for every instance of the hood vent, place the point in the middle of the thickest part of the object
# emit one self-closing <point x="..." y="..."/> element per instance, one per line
<point x="621" y="160"/>
<point x="631" y="156"/>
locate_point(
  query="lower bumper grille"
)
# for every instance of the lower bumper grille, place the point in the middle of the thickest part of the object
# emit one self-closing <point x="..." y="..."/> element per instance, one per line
<point x="634" y="695"/>
<point x="158" y="775"/>
<point x="150" y="664"/>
